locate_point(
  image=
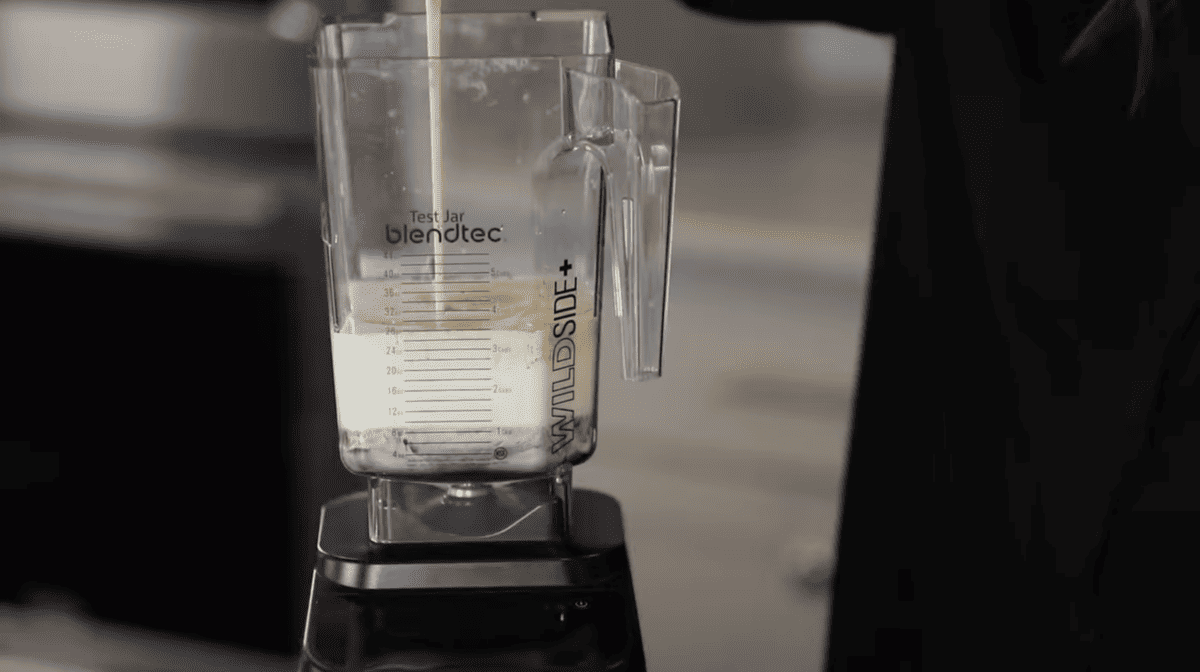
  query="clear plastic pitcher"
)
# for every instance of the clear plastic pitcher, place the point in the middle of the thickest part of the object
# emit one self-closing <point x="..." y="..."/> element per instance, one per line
<point x="470" y="202"/>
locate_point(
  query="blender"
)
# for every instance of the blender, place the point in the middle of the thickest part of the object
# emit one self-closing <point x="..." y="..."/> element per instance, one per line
<point x="478" y="170"/>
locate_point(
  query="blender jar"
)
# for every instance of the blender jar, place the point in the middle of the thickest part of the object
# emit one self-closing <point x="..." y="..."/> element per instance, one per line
<point x="470" y="202"/>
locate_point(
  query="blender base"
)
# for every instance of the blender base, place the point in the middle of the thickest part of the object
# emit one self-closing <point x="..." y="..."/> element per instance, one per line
<point x="478" y="606"/>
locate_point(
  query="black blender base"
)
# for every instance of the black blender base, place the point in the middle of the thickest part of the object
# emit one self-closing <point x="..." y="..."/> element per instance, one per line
<point x="477" y="606"/>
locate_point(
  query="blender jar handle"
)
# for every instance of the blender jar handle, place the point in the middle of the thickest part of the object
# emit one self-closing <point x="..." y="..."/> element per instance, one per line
<point x="632" y="121"/>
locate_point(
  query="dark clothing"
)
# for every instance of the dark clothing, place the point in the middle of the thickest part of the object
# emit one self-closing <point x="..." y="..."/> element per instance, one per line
<point x="1023" y="480"/>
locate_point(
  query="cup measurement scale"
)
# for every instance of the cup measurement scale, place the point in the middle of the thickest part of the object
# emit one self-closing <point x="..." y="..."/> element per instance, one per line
<point x="460" y="354"/>
<point x="436" y="354"/>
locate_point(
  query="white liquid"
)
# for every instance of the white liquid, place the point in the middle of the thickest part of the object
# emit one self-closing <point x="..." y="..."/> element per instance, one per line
<point x="440" y="380"/>
<point x="417" y="396"/>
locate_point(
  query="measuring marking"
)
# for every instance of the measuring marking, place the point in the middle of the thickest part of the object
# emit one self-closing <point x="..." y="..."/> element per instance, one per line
<point x="450" y="282"/>
<point x="463" y="431"/>
<point x="472" y="389"/>
<point x="443" y="340"/>
<point x="445" y="349"/>
<point x="430" y="422"/>
<point x="455" y="410"/>
<point x="452" y="300"/>
<point x="463" y="320"/>
<point x="443" y="312"/>
<point x="450" y="254"/>
<point x="453" y="263"/>
<point x="453" y="359"/>
<point x="453" y="443"/>
<point x="452" y="291"/>
<point x="431" y="401"/>
<point x="432" y="455"/>
<point x="441" y="380"/>
<point x="454" y="273"/>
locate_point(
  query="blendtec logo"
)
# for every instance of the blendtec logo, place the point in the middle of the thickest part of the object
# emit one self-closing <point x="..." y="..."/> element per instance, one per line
<point x="458" y="233"/>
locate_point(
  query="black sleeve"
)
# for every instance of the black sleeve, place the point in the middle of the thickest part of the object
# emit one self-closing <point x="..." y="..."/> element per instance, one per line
<point x="879" y="16"/>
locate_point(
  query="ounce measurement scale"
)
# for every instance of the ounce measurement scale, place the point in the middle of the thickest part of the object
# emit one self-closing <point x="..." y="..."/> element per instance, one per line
<point x="446" y="365"/>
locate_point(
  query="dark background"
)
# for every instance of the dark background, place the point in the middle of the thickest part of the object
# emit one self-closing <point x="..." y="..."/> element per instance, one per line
<point x="146" y="398"/>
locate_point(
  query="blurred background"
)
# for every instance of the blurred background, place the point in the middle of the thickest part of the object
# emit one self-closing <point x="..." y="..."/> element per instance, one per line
<point x="171" y="432"/>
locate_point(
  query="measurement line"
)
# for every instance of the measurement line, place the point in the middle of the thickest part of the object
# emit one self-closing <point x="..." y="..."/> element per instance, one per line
<point x="452" y="443"/>
<point x="464" y="431"/>
<point x="442" y="380"/>
<point x="452" y="282"/>
<point x="451" y="291"/>
<point x="472" y="389"/>
<point x="443" y="312"/>
<point x="431" y="422"/>
<point x="433" y="455"/>
<point x="432" y="370"/>
<point x="454" y="263"/>
<point x="452" y="359"/>
<point x="456" y="300"/>
<point x="448" y="254"/>
<point x="451" y="273"/>
<point x="447" y="299"/>
<point x="437" y="401"/>
<point x="455" y="410"/>
<point x="451" y="310"/>
<point x="442" y="340"/>
<point x="447" y="349"/>
<point x="462" y="320"/>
